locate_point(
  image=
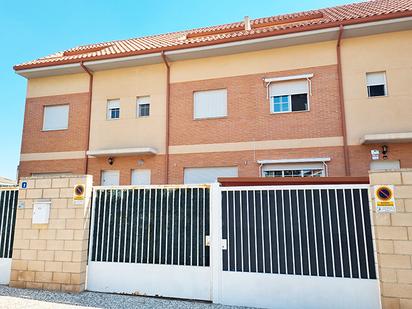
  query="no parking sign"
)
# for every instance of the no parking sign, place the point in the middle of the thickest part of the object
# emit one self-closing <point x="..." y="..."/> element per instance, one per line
<point x="385" y="198"/>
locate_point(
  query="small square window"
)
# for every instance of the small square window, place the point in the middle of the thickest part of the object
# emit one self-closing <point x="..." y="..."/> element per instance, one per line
<point x="143" y="106"/>
<point x="113" y="109"/>
<point x="376" y="84"/>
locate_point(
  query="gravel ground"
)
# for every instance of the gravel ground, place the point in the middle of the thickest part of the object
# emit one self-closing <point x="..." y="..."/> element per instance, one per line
<point x="36" y="299"/>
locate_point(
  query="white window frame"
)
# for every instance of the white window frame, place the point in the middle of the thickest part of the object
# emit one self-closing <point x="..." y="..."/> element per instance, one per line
<point x="269" y="82"/>
<point x="63" y="127"/>
<point x="301" y="170"/>
<point x="108" y="109"/>
<point x="305" y="164"/>
<point x="196" y="93"/>
<point x="139" y="103"/>
<point x="385" y="84"/>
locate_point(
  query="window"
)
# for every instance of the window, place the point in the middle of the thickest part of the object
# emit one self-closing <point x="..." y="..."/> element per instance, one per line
<point x="207" y="174"/>
<point x="294" y="173"/>
<point x="113" y="109"/>
<point x="289" y="96"/>
<point x="110" y="178"/>
<point x="210" y="104"/>
<point x="140" y="177"/>
<point x="309" y="169"/>
<point x="56" y="117"/>
<point x="143" y="106"/>
<point x="376" y="84"/>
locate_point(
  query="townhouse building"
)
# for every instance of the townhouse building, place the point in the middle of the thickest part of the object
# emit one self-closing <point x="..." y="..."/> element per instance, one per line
<point x="318" y="93"/>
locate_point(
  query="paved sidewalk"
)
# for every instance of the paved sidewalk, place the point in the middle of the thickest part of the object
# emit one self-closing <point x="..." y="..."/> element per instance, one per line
<point x="35" y="299"/>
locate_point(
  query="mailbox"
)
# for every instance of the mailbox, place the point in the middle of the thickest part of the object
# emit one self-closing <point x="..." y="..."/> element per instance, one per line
<point x="41" y="212"/>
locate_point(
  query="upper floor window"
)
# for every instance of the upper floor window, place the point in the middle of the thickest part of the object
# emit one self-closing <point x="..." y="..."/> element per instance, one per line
<point x="289" y="96"/>
<point x="143" y="106"/>
<point x="56" y="117"/>
<point x="376" y="84"/>
<point x="113" y="109"/>
<point x="210" y="104"/>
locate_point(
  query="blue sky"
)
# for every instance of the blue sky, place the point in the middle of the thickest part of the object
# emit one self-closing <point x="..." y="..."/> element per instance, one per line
<point x="31" y="29"/>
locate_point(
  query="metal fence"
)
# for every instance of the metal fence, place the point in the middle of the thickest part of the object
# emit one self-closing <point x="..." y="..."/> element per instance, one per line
<point x="152" y="225"/>
<point x="298" y="230"/>
<point x="8" y="204"/>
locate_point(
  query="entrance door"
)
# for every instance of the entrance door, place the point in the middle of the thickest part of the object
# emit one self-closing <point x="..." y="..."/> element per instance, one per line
<point x="110" y="178"/>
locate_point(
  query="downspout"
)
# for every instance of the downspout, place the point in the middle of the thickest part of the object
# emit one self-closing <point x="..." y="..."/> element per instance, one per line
<point x="167" y="116"/>
<point x="89" y="113"/>
<point x="342" y="104"/>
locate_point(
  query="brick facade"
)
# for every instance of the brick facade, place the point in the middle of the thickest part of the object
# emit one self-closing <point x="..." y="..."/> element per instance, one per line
<point x="75" y="166"/>
<point x="74" y="138"/>
<point x="249" y="116"/>
<point x="249" y="119"/>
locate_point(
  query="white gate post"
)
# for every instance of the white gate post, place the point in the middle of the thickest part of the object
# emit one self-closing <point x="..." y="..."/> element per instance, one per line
<point x="216" y="241"/>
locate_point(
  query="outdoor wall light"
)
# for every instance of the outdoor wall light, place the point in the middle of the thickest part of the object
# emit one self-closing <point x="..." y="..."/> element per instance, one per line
<point x="385" y="151"/>
<point x="110" y="160"/>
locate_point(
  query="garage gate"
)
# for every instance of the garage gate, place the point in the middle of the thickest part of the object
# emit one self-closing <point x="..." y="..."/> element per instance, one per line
<point x="271" y="246"/>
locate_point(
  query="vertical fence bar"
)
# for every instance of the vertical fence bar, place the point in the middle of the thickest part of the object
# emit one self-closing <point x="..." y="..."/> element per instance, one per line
<point x="339" y="238"/>
<point x="299" y="232"/>
<point x="356" y="232"/>
<point x="131" y="227"/>
<point x="331" y="236"/>
<point x="92" y="225"/>
<point x="291" y="232"/>
<point x="347" y="232"/>
<point x="364" y="234"/>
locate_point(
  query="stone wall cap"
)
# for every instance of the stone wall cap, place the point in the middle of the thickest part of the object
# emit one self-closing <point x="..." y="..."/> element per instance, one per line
<point x="55" y="177"/>
<point x="399" y="170"/>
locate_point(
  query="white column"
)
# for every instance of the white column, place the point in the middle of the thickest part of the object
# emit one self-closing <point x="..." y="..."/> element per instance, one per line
<point x="216" y="241"/>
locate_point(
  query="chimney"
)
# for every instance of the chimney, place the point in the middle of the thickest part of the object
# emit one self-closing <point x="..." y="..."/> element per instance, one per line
<point x="247" y="23"/>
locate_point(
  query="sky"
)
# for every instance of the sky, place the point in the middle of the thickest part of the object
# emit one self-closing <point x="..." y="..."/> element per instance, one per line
<point x="32" y="29"/>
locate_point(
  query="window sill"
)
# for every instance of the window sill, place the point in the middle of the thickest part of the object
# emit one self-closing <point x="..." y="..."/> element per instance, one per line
<point x="378" y="96"/>
<point x="211" y="118"/>
<point x="54" y="130"/>
<point x="291" y="112"/>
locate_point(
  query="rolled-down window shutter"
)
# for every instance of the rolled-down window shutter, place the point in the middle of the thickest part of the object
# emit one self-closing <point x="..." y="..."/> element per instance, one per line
<point x="113" y="104"/>
<point x="210" y="104"/>
<point x="376" y="78"/>
<point x="143" y="100"/>
<point x="56" y="117"/>
<point x="289" y="87"/>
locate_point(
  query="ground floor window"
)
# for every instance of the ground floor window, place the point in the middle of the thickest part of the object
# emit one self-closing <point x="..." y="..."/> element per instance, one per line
<point x="294" y="173"/>
<point x="110" y="178"/>
<point x="314" y="167"/>
<point x="196" y="175"/>
<point x="140" y="177"/>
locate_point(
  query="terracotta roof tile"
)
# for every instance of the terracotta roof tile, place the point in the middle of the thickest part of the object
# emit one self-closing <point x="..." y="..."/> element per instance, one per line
<point x="260" y="27"/>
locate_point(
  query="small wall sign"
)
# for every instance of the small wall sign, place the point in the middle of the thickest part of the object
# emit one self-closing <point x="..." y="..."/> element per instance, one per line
<point x="385" y="199"/>
<point x="78" y="194"/>
<point x="375" y="154"/>
<point x="24" y="184"/>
